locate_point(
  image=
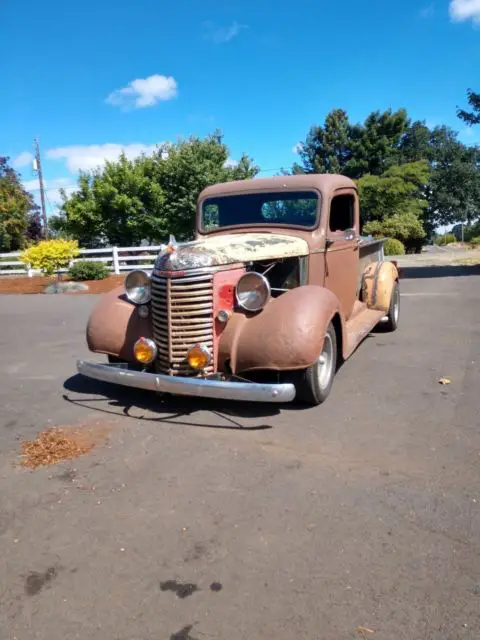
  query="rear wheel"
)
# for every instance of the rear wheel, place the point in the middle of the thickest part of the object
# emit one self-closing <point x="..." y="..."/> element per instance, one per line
<point x="315" y="383"/>
<point x="393" y="316"/>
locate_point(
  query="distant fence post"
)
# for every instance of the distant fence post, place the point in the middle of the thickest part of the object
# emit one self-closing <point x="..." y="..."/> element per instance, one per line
<point x="116" y="264"/>
<point x="29" y="270"/>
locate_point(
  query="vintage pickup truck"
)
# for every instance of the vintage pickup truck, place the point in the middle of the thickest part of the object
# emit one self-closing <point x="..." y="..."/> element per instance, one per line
<point x="277" y="289"/>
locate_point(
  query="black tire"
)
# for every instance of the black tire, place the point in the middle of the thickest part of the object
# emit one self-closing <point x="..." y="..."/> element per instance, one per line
<point x="393" y="316"/>
<point x="314" y="384"/>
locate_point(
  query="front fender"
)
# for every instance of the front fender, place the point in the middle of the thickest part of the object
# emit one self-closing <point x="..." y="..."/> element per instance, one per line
<point x="287" y="335"/>
<point x="114" y="326"/>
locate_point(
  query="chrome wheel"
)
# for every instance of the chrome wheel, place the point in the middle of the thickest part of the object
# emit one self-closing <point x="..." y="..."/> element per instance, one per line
<point x="396" y="306"/>
<point x="313" y="385"/>
<point x="325" y="363"/>
<point x="390" y="322"/>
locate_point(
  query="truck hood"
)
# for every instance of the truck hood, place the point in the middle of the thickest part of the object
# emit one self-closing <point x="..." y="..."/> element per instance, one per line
<point x="229" y="249"/>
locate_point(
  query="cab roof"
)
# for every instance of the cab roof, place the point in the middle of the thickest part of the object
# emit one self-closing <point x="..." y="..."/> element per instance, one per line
<point x="326" y="183"/>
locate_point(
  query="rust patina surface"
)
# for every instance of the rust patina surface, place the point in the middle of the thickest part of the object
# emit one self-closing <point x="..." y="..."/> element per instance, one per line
<point x="214" y="251"/>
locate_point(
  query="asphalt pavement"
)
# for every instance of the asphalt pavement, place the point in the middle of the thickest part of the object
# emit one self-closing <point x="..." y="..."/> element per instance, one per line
<point x="204" y="520"/>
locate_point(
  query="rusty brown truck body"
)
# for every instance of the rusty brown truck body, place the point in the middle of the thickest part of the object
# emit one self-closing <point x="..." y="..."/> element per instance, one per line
<point x="277" y="289"/>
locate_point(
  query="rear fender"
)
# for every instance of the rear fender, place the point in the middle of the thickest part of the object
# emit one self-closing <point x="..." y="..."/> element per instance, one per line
<point x="287" y="335"/>
<point x="377" y="285"/>
<point x="114" y="326"/>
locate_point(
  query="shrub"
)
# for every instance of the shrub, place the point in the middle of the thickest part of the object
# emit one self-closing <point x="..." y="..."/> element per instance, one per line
<point x="394" y="247"/>
<point x="447" y="238"/>
<point x="50" y="255"/>
<point x="83" y="270"/>
<point x="475" y="242"/>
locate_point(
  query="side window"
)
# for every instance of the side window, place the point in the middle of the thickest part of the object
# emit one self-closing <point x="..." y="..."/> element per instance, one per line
<point x="342" y="211"/>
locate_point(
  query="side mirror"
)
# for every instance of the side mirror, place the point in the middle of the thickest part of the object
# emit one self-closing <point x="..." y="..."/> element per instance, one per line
<point x="350" y="234"/>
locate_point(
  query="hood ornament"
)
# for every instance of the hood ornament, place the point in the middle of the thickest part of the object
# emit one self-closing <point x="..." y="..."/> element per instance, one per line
<point x="169" y="248"/>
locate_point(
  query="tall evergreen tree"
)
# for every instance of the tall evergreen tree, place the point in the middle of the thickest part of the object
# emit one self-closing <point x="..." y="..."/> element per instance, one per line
<point x="471" y="117"/>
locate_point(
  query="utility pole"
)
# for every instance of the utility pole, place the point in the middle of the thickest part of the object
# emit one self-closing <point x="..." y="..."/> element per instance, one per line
<point x="37" y="166"/>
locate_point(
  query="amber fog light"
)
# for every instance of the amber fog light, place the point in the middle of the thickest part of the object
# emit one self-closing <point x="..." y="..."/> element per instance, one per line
<point x="199" y="357"/>
<point x="145" y="350"/>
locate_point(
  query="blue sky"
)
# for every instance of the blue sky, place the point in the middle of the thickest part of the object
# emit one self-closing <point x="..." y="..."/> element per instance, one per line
<point x="90" y="78"/>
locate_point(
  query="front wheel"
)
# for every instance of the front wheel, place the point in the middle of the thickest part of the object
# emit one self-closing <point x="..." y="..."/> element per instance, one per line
<point x="315" y="383"/>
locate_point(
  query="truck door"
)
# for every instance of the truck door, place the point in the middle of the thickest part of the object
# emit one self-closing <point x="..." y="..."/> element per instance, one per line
<point x="342" y="248"/>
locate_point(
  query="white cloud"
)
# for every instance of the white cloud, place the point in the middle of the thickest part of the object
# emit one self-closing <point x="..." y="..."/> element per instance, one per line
<point x="144" y="92"/>
<point x="23" y="160"/>
<point x="220" y="35"/>
<point x="86" y="157"/>
<point x="462" y="10"/>
<point x="297" y="147"/>
<point x="230" y="163"/>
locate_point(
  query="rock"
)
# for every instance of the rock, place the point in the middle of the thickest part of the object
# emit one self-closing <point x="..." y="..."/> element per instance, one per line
<point x="62" y="287"/>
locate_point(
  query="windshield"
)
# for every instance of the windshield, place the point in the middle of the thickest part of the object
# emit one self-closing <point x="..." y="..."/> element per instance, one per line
<point x="284" y="208"/>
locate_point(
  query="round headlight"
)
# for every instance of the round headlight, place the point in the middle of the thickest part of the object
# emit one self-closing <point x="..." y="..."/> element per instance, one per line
<point x="253" y="291"/>
<point x="137" y="287"/>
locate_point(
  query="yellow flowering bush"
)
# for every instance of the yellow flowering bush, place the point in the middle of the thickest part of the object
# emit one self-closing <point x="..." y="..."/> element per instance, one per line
<point x="51" y="255"/>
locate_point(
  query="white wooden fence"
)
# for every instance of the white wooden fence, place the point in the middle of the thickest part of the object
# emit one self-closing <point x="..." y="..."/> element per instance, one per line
<point x="117" y="259"/>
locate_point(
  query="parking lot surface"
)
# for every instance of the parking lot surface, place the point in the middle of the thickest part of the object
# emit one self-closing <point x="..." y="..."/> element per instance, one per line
<point x="205" y="520"/>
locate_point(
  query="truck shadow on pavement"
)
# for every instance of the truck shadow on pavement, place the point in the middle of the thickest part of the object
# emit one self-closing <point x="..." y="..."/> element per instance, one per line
<point x="120" y="401"/>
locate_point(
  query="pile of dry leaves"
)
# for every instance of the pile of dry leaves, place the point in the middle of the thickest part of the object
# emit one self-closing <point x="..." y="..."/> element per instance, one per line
<point x="57" y="444"/>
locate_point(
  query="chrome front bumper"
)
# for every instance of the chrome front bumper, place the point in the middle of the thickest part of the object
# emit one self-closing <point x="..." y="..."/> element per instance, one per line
<point x="204" y="388"/>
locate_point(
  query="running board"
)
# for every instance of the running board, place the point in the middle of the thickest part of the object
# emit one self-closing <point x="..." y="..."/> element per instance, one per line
<point x="360" y="326"/>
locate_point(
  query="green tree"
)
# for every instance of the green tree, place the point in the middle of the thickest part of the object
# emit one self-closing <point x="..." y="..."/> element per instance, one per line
<point x="393" y="204"/>
<point x="416" y="143"/>
<point x="377" y="143"/>
<point x="353" y="150"/>
<point x="184" y="169"/>
<point x="17" y="209"/>
<point x="328" y="149"/>
<point x="387" y="140"/>
<point x="471" y="117"/>
<point x="454" y="189"/>
<point x="147" y="198"/>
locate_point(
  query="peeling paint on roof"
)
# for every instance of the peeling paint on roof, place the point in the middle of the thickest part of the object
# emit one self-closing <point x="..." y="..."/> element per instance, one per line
<point x="231" y="249"/>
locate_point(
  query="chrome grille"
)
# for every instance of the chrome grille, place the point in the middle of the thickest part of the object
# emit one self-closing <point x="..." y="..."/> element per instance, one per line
<point x="182" y="315"/>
